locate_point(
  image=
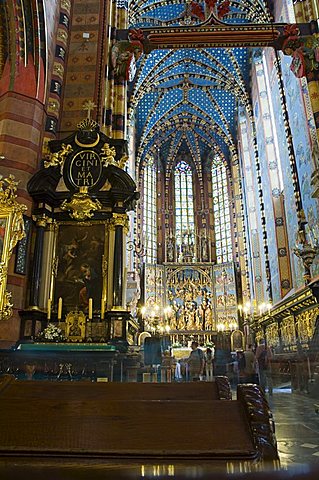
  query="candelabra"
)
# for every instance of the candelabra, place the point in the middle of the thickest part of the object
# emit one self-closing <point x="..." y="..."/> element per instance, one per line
<point x="156" y="318"/>
<point x="306" y="252"/>
<point x="136" y="247"/>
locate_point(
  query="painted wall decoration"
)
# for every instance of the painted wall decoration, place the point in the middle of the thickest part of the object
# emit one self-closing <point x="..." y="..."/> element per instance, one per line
<point x="267" y="194"/>
<point x="303" y="154"/>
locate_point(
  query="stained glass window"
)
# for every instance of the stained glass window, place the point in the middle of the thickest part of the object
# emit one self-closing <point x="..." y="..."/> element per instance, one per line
<point x="184" y="212"/>
<point x="149" y="224"/>
<point x="221" y="206"/>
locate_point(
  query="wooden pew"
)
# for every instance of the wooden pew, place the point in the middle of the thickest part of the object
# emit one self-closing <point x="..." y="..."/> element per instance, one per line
<point x="116" y="422"/>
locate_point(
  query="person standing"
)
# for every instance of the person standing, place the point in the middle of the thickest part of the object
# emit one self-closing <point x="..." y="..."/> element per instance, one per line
<point x="250" y="372"/>
<point x="167" y="367"/>
<point x="241" y="367"/>
<point x="195" y="362"/>
<point x="263" y="357"/>
<point x="209" y="357"/>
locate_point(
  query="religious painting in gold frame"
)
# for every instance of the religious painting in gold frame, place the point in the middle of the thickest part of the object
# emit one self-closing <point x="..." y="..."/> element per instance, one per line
<point x="75" y="326"/>
<point x="11" y="231"/>
<point x="80" y="265"/>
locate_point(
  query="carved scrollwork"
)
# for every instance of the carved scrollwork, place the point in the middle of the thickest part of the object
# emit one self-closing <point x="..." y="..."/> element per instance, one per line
<point x="6" y="311"/>
<point x="260" y="420"/>
<point x="223" y="387"/>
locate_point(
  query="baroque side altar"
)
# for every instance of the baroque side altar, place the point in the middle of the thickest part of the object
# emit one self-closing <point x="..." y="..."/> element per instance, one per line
<point x="82" y="197"/>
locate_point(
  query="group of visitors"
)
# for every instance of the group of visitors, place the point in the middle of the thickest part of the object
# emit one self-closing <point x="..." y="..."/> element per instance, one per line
<point x="200" y="364"/>
<point x="250" y="366"/>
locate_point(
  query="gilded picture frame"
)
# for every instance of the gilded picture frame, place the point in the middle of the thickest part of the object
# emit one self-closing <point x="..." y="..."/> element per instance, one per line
<point x="11" y="231"/>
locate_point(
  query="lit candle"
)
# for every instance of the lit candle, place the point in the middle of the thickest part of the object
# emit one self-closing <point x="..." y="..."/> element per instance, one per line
<point x="60" y="308"/>
<point x="49" y="309"/>
<point x="90" y="308"/>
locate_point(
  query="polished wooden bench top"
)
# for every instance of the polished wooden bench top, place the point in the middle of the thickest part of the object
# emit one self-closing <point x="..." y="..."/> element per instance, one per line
<point x="67" y="417"/>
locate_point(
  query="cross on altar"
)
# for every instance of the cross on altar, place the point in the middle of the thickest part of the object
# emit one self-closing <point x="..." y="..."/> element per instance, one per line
<point x="89" y="106"/>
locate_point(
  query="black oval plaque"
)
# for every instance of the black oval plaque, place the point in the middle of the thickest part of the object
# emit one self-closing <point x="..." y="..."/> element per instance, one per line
<point x="85" y="169"/>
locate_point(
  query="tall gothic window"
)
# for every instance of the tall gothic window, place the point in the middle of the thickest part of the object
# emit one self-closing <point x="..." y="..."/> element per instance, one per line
<point x="184" y="212"/>
<point x="221" y="202"/>
<point x="149" y="213"/>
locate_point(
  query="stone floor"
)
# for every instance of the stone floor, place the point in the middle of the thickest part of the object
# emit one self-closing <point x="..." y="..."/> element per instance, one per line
<point x="297" y="427"/>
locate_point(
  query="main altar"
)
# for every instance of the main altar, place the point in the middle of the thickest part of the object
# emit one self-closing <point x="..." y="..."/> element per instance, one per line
<point x="82" y="196"/>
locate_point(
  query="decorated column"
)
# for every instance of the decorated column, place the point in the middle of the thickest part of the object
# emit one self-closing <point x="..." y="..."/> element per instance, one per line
<point x="119" y="224"/>
<point x="41" y="222"/>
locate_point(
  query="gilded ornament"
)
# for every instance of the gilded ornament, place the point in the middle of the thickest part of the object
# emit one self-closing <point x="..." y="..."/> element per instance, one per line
<point x="58" y="69"/>
<point x="55" y="264"/>
<point x="108" y="157"/>
<point x="57" y="159"/>
<point x="11" y="217"/>
<point x="6" y="311"/>
<point x="104" y="266"/>
<point x="122" y="162"/>
<point x="66" y="5"/>
<point x="81" y="206"/>
<point x="88" y="124"/>
<point x="120" y="220"/>
<point x="53" y="106"/>
<point x="41" y="220"/>
<point x="89" y="106"/>
<point x="62" y="35"/>
<point x="3" y="272"/>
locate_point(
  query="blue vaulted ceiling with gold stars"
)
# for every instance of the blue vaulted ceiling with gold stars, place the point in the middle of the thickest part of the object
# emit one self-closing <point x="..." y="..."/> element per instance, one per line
<point x="186" y="100"/>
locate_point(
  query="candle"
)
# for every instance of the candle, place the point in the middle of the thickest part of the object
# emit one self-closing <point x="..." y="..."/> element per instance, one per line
<point x="49" y="309"/>
<point x="90" y="308"/>
<point x="102" y="309"/>
<point x="60" y="308"/>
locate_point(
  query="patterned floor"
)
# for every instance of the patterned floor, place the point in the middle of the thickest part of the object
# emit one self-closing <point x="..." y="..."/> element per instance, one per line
<point x="297" y="427"/>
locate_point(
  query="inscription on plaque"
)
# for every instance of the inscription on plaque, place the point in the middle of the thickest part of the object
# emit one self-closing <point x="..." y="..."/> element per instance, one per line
<point x="85" y="169"/>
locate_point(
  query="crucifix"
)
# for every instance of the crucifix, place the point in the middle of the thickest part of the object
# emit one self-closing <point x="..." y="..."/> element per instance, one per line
<point x="89" y="106"/>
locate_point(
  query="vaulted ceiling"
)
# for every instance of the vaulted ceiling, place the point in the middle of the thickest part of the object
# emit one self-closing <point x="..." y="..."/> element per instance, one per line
<point x="186" y="101"/>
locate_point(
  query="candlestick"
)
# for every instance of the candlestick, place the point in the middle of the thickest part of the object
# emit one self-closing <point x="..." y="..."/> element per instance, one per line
<point x="60" y="308"/>
<point x="49" y="309"/>
<point x="90" y="308"/>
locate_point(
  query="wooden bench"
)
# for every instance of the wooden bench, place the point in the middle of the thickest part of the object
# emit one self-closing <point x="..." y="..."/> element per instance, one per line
<point x="116" y="421"/>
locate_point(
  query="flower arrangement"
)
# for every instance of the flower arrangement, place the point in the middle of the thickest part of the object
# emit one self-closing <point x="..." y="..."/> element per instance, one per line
<point x="51" y="333"/>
